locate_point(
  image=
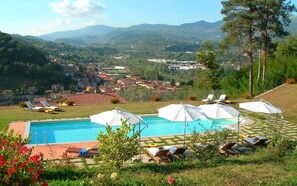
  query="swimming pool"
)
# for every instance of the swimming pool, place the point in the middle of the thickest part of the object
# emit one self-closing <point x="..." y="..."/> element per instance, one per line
<point x="65" y="131"/>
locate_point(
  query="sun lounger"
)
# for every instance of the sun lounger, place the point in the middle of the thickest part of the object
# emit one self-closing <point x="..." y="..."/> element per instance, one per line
<point x="227" y="149"/>
<point x="177" y="152"/>
<point x="48" y="106"/>
<point x="257" y="141"/>
<point x="159" y="155"/>
<point x="31" y="107"/>
<point x="83" y="152"/>
<point x="222" y="98"/>
<point x="208" y="99"/>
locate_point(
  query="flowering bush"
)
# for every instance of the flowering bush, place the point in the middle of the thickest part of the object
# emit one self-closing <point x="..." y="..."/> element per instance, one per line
<point x="192" y="98"/>
<point x="156" y="98"/>
<point x="114" y="101"/>
<point x="17" y="166"/>
<point x="291" y="81"/>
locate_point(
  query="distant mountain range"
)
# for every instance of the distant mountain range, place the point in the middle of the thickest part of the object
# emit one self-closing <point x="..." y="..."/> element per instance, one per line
<point x="145" y="34"/>
<point x="148" y="33"/>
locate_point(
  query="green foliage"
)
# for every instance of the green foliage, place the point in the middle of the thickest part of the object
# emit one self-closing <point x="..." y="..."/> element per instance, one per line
<point x="209" y="78"/>
<point x="22" y="64"/>
<point x="206" y="144"/>
<point x="117" y="146"/>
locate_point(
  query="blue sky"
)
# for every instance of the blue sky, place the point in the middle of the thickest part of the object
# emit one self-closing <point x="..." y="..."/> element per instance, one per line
<point x="37" y="17"/>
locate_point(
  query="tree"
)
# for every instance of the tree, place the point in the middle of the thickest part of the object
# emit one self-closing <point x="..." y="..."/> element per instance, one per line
<point x="116" y="146"/>
<point x="239" y="24"/>
<point x="209" y="78"/>
<point x="274" y="15"/>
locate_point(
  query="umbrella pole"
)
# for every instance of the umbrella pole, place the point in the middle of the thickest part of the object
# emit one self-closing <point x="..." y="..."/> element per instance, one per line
<point x="139" y="140"/>
<point x="238" y="126"/>
<point x="185" y="133"/>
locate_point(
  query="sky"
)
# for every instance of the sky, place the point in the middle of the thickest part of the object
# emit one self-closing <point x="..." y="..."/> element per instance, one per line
<point x="38" y="17"/>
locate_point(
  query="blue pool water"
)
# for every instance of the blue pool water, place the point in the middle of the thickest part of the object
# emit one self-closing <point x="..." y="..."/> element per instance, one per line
<point x="84" y="130"/>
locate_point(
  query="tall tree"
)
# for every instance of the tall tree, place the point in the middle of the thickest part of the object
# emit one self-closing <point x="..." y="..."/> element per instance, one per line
<point x="209" y="78"/>
<point x="239" y="24"/>
<point x="274" y="16"/>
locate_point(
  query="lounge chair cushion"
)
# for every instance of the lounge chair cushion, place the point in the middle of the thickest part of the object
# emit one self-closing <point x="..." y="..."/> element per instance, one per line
<point x="171" y="149"/>
<point x="83" y="152"/>
<point x="153" y="151"/>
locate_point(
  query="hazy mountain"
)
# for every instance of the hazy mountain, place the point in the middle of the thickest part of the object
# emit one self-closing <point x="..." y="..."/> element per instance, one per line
<point x="86" y="31"/>
<point x="146" y="34"/>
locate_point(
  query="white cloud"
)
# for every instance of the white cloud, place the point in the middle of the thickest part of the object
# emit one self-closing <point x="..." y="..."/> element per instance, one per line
<point x="91" y="23"/>
<point x="78" y="8"/>
<point x="52" y="26"/>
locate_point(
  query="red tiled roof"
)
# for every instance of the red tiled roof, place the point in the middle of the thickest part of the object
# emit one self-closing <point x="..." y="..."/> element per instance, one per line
<point x="92" y="98"/>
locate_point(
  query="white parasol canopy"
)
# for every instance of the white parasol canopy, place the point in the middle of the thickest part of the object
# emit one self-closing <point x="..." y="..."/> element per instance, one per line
<point x="260" y="106"/>
<point x="181" y="112"/>
<point x="113" y="117"/>
<point x="219" y="111"/>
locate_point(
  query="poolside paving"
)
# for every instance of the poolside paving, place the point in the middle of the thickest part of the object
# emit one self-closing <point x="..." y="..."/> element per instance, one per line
<point x="257" y="127"/>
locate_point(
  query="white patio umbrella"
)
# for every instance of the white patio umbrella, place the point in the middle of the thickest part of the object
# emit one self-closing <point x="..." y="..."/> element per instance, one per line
<point x="261" y="106"/>
<point x="181" y="112"/>
<point x="114" y="117"/>
<point x="220" y="111"/>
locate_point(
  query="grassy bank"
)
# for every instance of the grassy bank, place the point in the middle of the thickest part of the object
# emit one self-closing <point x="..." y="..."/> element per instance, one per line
<point x="243" y="170"/>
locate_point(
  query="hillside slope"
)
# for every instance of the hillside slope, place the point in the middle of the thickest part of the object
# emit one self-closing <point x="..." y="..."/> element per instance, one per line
<point x="285" y="98"/>
<point x="22" y="66"/>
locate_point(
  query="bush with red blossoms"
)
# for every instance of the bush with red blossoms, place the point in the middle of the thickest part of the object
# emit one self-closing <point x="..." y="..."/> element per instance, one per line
<point x="17" y="165"/>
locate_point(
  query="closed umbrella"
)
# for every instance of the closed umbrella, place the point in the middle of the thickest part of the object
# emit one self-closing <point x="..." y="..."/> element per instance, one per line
<point x="181" y="112"/>
<point x="220" y="111"/>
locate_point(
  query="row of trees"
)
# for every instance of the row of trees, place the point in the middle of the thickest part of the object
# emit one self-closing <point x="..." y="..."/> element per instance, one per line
<point x="252" y="24"/>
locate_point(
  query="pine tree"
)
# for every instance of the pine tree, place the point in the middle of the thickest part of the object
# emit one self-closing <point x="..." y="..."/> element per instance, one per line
<point x="240" y="18"/>
<point x="274" y="16"/>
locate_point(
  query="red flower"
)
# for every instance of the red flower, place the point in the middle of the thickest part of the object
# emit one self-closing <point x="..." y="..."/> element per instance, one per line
<point x="44" y="183"/>
<point x="30" y="170"/>
<point x="5" y="142"/>
<point x="35" y="159"/>
<point x="23" y="165"/>
<point x="14" y="144"/>
<point x="11" y="170"/>
<point x="2" y="162"/>
<point x="170" y="180"/>
<point x="39" y="171"/>
<point x="15" y="161"/>
<point x="33" y="180"/>
<point x="23" y="150"/>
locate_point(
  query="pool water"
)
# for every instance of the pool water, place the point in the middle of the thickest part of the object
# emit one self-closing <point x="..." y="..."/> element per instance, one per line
<point x="84" y="130"/>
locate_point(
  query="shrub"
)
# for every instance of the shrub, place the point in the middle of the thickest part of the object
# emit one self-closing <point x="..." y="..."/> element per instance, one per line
<point x="17" y="165"/>
<point x="207" y="150"/>
<point x="69" y="102"/>
<point x="114" y="101"/>
<point x="22" y="104"/>
<point x="291" y="81"/>
<point x="246" y="96"/>
<point x="156" y="98"/>
<point x="116" y="146"/>
<point x="192" y="98"/>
